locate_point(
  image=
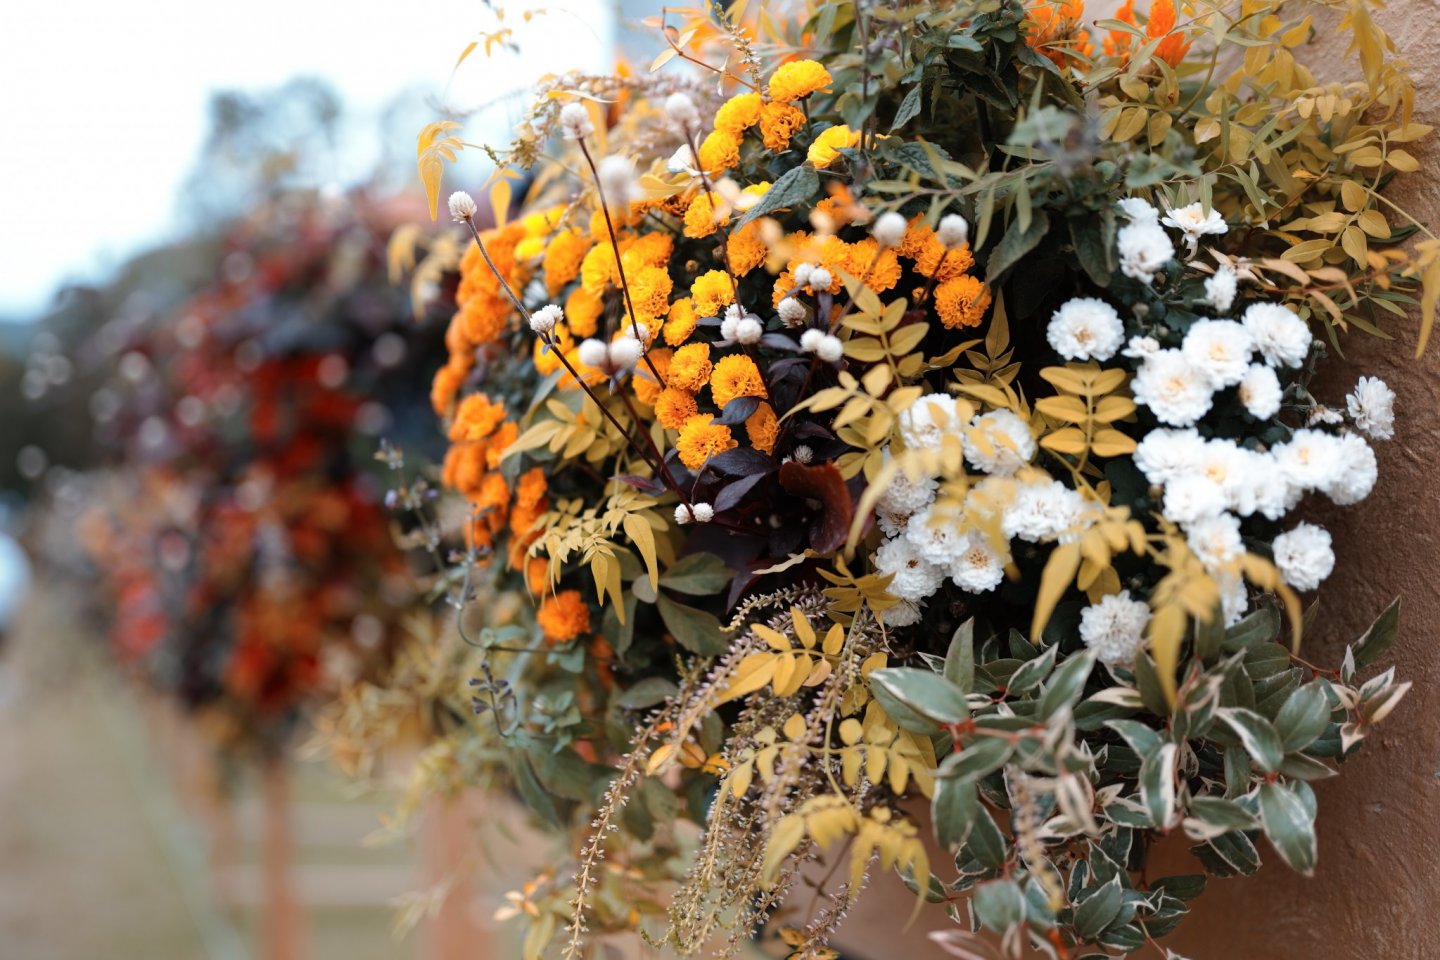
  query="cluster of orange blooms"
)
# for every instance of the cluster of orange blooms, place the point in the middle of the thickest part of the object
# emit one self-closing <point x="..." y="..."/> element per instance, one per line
<point x="1060" y="34"/>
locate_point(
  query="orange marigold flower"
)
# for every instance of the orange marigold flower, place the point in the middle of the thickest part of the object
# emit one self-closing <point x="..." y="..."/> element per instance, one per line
<point x="681" y="322"/>
<point x="720" y="151"/>
<point x="522" y="518"/>
<point x="738" y="114"/>
<point x="778" y="123"/>
<point x="798" y="78"/>
<point x="499" y="441"/>
<point x="763" y="428"/>
<point x="562" y="259"/>
<point x="650" y="293"/>
<point x="494" y="493"/>
<point x="648" y="249"/>
<point x="464" y="469"/>
<point x="712" y="292"/>
<point x="531" y="488"/>
<point x="735" y="376"/>
<point x="537" y="574"/>
<point x="476" y="418"/>
<point x="563" y="616"/>
<point x="922" y="246"/>
<point x="700" y="219"/>
<point x="700" y="439"/>
<point x="675" y="406"/>
<point x="582" y="312"/>
<point x="962" y="302"/>
<point x="646" y="388"/>
<point x="746" y="250"/>
<point x="447" y="383"/>
<point x="689" y="367"/>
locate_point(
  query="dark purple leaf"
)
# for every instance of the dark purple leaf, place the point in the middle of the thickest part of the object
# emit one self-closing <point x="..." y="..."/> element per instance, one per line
<point x="731" y="495"/>
<point x="645" y="484"/>
<point x="824" y="484"/>
<point x="740" y="462"/>
<point x="779" y="341"/>
<point x="737" y="411"/>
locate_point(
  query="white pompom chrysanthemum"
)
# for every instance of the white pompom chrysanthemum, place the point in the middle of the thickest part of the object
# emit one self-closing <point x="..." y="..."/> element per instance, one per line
<point x="1192" y="498"/>
<point x="907" y="497"/>
<point x="1115" y="628"/>
<point x="1279" y="336"/>
<point x="999" y="442"/>
<point x="1164" y="455"/>
<point x="1372" y="406"/>
<point x="1215" y="540"/>
<point x="1220" y="349"/>
<point x="462" y="206"/>
<point x="1220" y="288"/>
<point x="1138" y="210"/>
<point x="1144" y="249"/>
<point x="575" y="121"/>
<point x="913" y="576"/>
<point x="937" y="533"/>
<point x="1042" y="512"/>
<point x="1355" y="473"/>
<point x="1304" y="556"/>
<point x="1085" y="328"/>
<point x="1260" y="392"/>
<point x="1310" y="459"/>
<point x="1175" y="390"/>
<point x="1141" y="347"/>
<point x="906" y="613"/>
<point x="928" y="420"/>
<point x="889" y="229"/>
<point x="977" y="567"/>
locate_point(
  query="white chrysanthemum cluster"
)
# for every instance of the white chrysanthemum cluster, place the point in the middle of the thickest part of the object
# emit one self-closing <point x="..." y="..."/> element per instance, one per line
<point x="1115" y="628"/>
<point x="1086" y="329"/>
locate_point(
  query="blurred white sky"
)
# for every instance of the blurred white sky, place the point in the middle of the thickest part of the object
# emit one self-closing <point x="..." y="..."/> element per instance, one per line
<point x="103" y="103"/>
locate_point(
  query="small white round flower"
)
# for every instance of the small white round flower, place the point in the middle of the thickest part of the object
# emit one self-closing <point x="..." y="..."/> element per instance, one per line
<point x="1215" y="540"/>
<point x="1175" y="390"/>
<point x="829" y="348"/>
<point x="1260" y="392"/>
<point x="681" y="111"/>
<point x="1194" y="223"/>
<point x="952" y="231"/>
<point x="977" y="568"/>
<point x="1304" y="556"/>
<point x="638" y="330"/>
<point x="999" y="442"/>
<point x="462" y="206"/>
<point x="1115" y="628"/>
<point x="1356" y="473"/>
<point x="791" y="311"/>
<point x="906" y="497"/>
<point x="543" y="321"/>
<point x="802" y="273"/>
<point x="928" y="420"/>
<point x="914" y="577"/>
<point x="617" y="180"/>
<point x="1220" y="349"/>
<point x="802" y="454"/>
<point x="906" y="613"/>
<point x="1164" y="455"/>
<point x="810" y="340"/>
<point x="575" y="121"/>
<point x="703" y="512"/>
<point x="1310" y="459"/>
<point x="1192" y="498"/>
<point x="1141" y="347"/>
<point x="1372" y="407"/>
<point x="889" y="229"/>
<point x="1280" y="336"/>
<point x="1220" y="288"/>
<point x="683" y="514"/>
<point x="938" y="533"/>
<point x="820" y="279"/>
<point x="1138" y="210"/>
<point x="1042" y="512"/>
<point x="594" y="353"/>
<point x="1145" y="249"/>
<point x="749" y="330"/>
<point x="1085" y="328"/>
<point x="624" y="353"/>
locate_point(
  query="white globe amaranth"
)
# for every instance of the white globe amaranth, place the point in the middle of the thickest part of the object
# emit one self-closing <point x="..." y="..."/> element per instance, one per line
<point x="999" y="442"/>
<point x="912" y="576"/>
<point x="1260" y="391"/>
<point x="682" y="112"/>
<point x="809" y="340"/>
<point x="1371" y="406"/>
<point x="1304" y="555"/>
<point x="1220" y="349"/>
<point x="748" y="330"/>
<point x="1144" y="249"/>
<point x="1085" y="328"/>
<point x="1278" y="334"/>
<point x="616" y="176"/>
<point x="977" y="567"/>
<point x="543" y="321"/>
<point x="462" y="206"/>
<point x="791" y="311"/>
<point x="953" y="231"/>
<point x="1177" y="392"/>
<point x="830" y="348"/>
<point x="889" y="229"/>
<point x="624" y="353"/>
<point x="820" y="279"/>
<point x="575" y="121"/>
<point x="927" y="421"/>
<point x="1114" y="628"/>
<point x="594" y="353"/>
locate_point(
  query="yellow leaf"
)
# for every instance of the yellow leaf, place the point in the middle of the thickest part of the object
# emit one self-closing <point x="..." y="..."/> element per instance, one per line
<point x="1054" y="581"/>
<point x="500" y="202"/>
<point x="1068" y="409"/>
<point x="1111" y="443"/>
<point x="1167" y="630"/>
<point x="753" y="673"/>
<point x="1070" y="440"/>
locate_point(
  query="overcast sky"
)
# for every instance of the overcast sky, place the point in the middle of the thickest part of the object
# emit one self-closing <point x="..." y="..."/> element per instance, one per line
<point x="103" y="103"/>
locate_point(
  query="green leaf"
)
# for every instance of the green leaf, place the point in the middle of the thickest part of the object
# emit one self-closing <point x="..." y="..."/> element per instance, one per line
<point x="1094" y="237"/>
<point x="954" y="808"/>
<point x="1065" y="686"/>
<point x="918" y="700"/>
<point x="1015" y="244"/>
<point x="1141" y="739"/>
<point x="1098" y="908"/>
<point x="1157" y="784"/>
<point x="1152" y="692"/>
<point x="1289" y="825"/>
<point x="982" y="757"/>
<point x="998" y="905"/>
<point x="960" y="658"/>
<point x="1186" y="886"/>
<point x="986" y="843"/>
<point x="1259" y="738"/>
<point x="1262" y="626"/>
<point x="1219" y="812"/>
<point x="792" y="189"/>
<point x="908" y="108"/>
<point x="1032" y="672"/>
<point x="1229" y="855"/>
<point x="1304" y="716"/>
<point x="1379" y="637"/>
<point x="695" y="630"/>
<point x="646" y="693"/>
<point x="697" y="575"/>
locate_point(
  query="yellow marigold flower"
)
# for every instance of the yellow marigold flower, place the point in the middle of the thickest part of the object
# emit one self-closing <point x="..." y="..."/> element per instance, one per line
<point x="582" y="312"/>
<point x="720" y="151"/>
<point x="650" y="293"/>
<point x="778" y="123"/>
<point x="712" y="292"/>
<point x="738" y="114"/>
<point x="681" y="323"/>
<point x="735" y="376"/>
<point x="763" y="428"/>
<point x="648" y="250"/>
<point x="828" y="145"/>
<point x="531" y="488"/>
<point x="700" y="218"/>
<point x="476" y="418"/>
<point x="675" y="406"/>
<point x="796" y="79"/>
<point x="563" y="616"/>
<point x="700" y="439"/>
<point x="690" y="367"/>
<point x="962" y="301"/>
<point x="924" y="247"/>
<point x="880" y="268"/>
<point x="646" y="387"/>
<point x="529" y="248"/>
<point x="562" y="259"/>
<point x="597" y="270"/>
<point x="746" y="250"/>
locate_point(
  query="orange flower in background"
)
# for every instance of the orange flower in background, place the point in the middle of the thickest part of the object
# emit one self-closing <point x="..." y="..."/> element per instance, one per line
<point x="738" y="114"/>
<point x="700" y="220"/>
<point x="531" y="488"/>
<point x="563" y="257"/>
<point x="778" y="123"/>
<point x="563" y="616"/>
<point x="476" y="418"/>
<point x="711" y="292"/>
<point x="582" y="312"/>
<point x="701" y="439"/>
<point x="647" y="390"/>
<point x="499" y="441"/>
<point x="1160" y="26"/>
<point x="962" y="302"/>
<point x="720" y="151"/>
<point x="746" y="250"/>
<point x="1059" y="31"/>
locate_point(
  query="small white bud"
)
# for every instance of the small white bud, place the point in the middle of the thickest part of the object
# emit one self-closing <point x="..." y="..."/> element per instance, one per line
<point x="749" y="330"/>
<point x="802" y="274"/>
<point x="830" y="349"/>
<point x="953" y="231"/>
<point x="543" y="321"/>
<point x="889" y="229"/>
<point x="802" y="454"/>
<point x="638" y="330"/>
<point x="728" y="326"/>
<point x="462" y="206"/>
<point x="703" y="512"/>
<point x="683" y="515"/>
<point x="810" y="339"/>
<point x="681" y="111"/>
<point x="594" y="353"/>
<point x="575" y="121"/>
<point x="820" y="279"/>
<point x="617" y="180"/>
<point x="625" y="353"/>
<point x="791" y="311"/>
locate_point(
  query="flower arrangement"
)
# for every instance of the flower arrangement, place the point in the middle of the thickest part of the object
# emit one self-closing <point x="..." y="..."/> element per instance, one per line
<point x="926" y="416"/>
